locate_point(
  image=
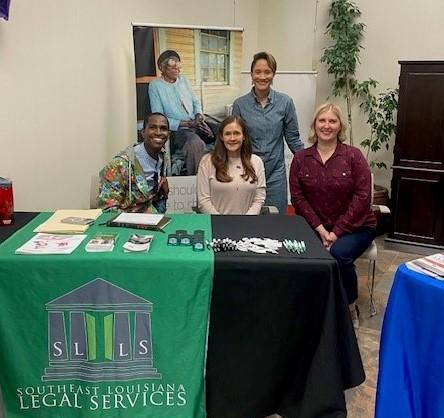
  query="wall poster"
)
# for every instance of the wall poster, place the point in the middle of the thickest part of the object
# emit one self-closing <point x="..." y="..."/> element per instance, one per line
<point x="182" y="71"/>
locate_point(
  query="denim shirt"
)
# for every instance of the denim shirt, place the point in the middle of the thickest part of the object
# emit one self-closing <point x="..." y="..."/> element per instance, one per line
<point x="269" y="126"/>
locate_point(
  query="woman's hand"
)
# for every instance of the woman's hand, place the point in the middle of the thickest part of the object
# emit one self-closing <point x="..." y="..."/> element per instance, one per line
<point x="332" y="237"/>
<point x="186" y="123"/>
<point x="325" y="236"/>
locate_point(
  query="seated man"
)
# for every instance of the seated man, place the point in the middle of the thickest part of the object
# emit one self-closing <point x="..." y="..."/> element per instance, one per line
<point x="135" y="179"/>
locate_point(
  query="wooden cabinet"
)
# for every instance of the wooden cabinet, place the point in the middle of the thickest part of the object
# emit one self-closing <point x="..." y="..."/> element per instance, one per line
<point x="418" y="167"/>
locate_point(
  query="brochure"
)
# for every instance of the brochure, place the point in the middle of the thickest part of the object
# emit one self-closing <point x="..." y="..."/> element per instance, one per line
<point x="101" y="243"/>
<point x="51" y="244"/>
<point x="138" y="243"/>
<point x="432" y="265"/>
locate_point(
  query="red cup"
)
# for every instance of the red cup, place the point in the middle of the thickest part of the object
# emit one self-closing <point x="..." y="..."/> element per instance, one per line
<point x="6" y="201"/>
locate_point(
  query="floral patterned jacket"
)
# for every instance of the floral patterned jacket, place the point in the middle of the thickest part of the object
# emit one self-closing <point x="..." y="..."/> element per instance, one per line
<point x="123" y="185"/>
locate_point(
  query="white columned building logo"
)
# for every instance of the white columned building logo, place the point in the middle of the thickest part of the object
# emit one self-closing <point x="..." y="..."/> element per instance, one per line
<point x="100" y="332"/>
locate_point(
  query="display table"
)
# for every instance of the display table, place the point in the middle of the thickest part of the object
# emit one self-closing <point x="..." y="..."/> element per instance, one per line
<point x="411" y="361"/>
<point x="105" y="334"/>
<point x="280" y="336"/>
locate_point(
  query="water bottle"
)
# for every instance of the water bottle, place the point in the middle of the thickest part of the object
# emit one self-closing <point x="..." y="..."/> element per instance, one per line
<point x="6" y="201"/>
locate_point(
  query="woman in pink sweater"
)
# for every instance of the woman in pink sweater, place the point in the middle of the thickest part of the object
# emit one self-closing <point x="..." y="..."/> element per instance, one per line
<point x="231" y="180"/>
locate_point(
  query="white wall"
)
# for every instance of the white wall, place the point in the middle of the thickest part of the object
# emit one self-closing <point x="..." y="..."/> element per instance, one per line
<point x="286" y="29"/>
<point x="67" y="91"/>
<point x="67" y="97"/>
<point x="395" y="30"/>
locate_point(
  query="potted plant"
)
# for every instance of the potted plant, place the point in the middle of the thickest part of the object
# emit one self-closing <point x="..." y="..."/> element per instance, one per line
<point x="341" y="60"/>
<point x="380" y="110"/>
<point x="342" y="57"/>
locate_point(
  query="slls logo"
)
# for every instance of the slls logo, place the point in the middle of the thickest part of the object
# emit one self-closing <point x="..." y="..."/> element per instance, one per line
<point x="99" y="332"/>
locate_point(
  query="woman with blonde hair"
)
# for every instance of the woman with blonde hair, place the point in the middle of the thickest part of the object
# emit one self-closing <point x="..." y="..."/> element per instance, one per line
<point x="330" y="186"/>
<point x="231" y="180"/>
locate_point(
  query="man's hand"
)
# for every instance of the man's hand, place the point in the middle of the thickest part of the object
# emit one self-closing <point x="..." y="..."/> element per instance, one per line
<point x="164" y="189"/>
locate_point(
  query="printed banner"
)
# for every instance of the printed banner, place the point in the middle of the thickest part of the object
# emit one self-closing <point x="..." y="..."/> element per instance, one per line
<point x="205" y="81"/>
<point x="105" y="334"/>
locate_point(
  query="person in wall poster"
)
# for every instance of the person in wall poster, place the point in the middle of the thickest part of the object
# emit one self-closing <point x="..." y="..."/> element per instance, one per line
<point x="231" y="180"/>
<point x="330" y="186"/>
<point x="271" y="118"/>
<point x="172" y="95"/>
<point x="135" y="179"/>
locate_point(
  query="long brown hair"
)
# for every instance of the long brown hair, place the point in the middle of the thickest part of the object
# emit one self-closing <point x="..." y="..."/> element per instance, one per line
<point x="219" y="156"/>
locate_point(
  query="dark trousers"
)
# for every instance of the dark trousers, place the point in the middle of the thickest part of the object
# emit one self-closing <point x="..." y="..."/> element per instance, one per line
<point x="346" y="249"/>
<point x="192" y="147"/>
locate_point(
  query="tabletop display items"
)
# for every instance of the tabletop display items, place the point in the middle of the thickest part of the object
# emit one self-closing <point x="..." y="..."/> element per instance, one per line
<point x="154" y="222"/>
<point x="138" y="243"/>
<point x="51" y="244"/>
<point x="6" y="201"/>
<point x="100" y="243"/>
<point x="69" y="221"/>
<point x="181" y="237"/>
<point x="431" y="265"/>
<point x="293" y="246"/>
<point x="255" y="245"/>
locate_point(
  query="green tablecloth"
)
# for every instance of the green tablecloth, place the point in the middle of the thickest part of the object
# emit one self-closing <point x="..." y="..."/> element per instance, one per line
<point x="105" y="334"/>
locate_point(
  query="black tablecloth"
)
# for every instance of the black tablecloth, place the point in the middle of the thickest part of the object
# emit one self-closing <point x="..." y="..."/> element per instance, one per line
<point x="280" y="337"/>
<point x="20" y="219"/>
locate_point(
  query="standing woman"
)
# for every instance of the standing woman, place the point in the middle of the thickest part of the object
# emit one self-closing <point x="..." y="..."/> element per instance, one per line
<point x="330" y="186"/>
<point x="231" y="180"/>
<point x="270" y="117"/>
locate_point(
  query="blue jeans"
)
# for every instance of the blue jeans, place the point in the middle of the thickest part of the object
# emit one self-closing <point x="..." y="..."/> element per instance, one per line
<point x="346" y="249"/>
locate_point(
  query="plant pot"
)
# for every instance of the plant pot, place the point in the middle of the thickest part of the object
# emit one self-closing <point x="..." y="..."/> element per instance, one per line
<point x="380" y="195"/>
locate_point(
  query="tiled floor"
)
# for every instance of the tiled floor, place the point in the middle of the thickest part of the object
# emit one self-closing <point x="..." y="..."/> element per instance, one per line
<point x="361" y="400"/>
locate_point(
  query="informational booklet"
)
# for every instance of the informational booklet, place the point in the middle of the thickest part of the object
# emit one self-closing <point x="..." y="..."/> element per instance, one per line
<point x="140" y="221"/>
<point x="77" y="220"/>
<point x="51" y="244"/>
<point x="101" y="243"/>
<point x="67" y="221"/>
<point x="138" y="243"/>
<point x="432" y="265"/>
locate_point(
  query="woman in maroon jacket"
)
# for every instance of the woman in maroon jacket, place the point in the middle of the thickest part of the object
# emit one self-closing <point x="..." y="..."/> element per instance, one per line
<point x="330" y="187"/>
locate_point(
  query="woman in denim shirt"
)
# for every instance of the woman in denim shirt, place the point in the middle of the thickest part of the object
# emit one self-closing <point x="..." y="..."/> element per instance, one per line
<point x="271" y="118"/>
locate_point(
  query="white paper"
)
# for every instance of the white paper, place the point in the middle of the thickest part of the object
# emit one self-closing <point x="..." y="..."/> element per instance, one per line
<point x="138" y="218"/>
<point x="51" y="244"/>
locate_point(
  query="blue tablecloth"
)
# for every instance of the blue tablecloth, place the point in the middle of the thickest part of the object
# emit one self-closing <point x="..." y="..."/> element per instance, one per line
<point x="411" y="364"/>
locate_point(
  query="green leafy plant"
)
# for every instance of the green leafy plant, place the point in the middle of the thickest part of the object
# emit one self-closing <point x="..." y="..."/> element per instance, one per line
<point x="342" y="57"/>
<point x="341" y="60"/>
<point x="380" y="110"/>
